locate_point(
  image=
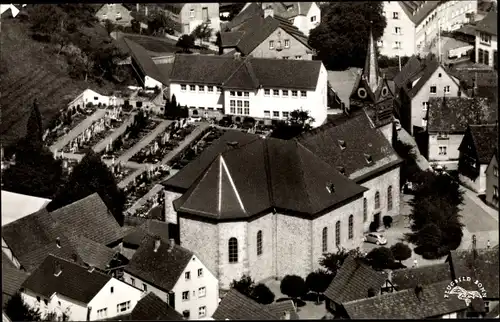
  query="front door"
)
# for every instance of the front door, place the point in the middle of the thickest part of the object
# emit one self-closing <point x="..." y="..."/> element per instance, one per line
<point x="376" y="218"/>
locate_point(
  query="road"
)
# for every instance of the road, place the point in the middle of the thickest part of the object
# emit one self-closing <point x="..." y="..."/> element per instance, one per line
<point x="99" y="147"/>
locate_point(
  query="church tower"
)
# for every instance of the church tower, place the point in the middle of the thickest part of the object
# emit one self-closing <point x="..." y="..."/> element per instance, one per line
<point x="371" y="92"/>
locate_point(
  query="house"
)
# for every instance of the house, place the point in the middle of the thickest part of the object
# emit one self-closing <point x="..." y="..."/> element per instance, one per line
<point x="477" y="147"/>
<point x="354" y="281"/>
<point x="82" y="294"/>
<point x="117" y="13"/>
<point x="262" y="88"/>
<point x="267" y="208"/>
<point x="356" y="149"/>
<point x="191" y="15"/>
<point x="89" y="96"/>
<point x="421" y="302"/>
<point x="134" y="237"/>
<point x="409" y="278"/>
<point x="486" y="40"/>
<point x="448" y="119"/>
<point x="267" y="36"/>
<point x="412" y="26"/>
<point x="176" y="275"/>
<point x="16" y="206"/>
<point x="12" y="279"/>
<point x="492" y="181"/>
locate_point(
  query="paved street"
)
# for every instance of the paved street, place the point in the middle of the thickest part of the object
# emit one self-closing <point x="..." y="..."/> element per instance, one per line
<point x="99" y="147"/>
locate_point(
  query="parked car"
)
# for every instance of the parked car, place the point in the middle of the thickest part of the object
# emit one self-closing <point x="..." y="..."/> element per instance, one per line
<point x="375" y="238"/>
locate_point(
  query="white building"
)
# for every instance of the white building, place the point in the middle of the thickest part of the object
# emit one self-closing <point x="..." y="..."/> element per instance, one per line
<point x="82" y="294"/>
<point x="486" y="40"/>
<point x="176" y="275"/>
<point x="16" y="206"/>
<point x="267" y="89"/>
<point x="90" y="96"/>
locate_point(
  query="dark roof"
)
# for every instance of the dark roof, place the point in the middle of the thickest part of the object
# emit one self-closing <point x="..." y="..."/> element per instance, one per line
<point x="470" y="77"/>
<point x="409" y="70"/>
<point x="262" y="175"/>
<point x="92" y="253"/>
<point x="417" y="11"/>
<point x="489" y="23"/>
<point x="151" y="226"/>
<point x="360" y="139"/>
<point x="485" y="141"/>
<point x="484" y="268"/>
<point x="144" y="61"/>
<point x="12" y="278"/>
<point x="220" y="70"/>
<point x="75" y="282"/>
<point x="249" y="12"/>
<point x="454" y="114"/>
<point x="231" y="38"/>
<point x="162" y="268"/>
<point x="153" y="308"/>
<point x="236" y="306"/>
<point x="33" y="237"/>
<point x="406" y="305"/>
<point x="427" y="72"/>
<point x="353" y="281"/>
<point x="409" y="277"/>
<point x="280" y="308"/>
<point x="186" y="177"/>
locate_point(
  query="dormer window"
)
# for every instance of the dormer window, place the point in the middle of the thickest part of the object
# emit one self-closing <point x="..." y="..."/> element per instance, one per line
<point x="342" y="144"/>
<point x="330" y="188"/>
<point x="368" y="158"/>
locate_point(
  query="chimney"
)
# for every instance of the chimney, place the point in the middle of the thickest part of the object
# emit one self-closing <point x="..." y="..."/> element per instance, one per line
<point x="237" y="56"/>
<point x="418" y="291"/>
<point x="157" y="244"/>
<point x="269" y="11"/>
<point x="57" y="268"/>
<point x="286" y="316"/>
<point x="171" y="244"/>
<point x="58" y="242"/>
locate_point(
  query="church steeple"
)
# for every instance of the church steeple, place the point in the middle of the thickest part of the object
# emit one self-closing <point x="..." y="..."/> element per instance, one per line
<point x="371" y="71"/>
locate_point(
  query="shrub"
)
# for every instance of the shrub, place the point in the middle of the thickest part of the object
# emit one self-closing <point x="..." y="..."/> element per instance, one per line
<point x="380" y="258"/>
<point x="387" y="221"/>
<point x="293" y="286"/>
<point x="374" y="226"/>
<point x="262" y="294"/>
<point x="396" y="265"/>
<point x="401" y="252"/>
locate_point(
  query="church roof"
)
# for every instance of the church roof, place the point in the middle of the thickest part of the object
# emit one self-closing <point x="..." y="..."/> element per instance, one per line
<point x="371" y="70"/>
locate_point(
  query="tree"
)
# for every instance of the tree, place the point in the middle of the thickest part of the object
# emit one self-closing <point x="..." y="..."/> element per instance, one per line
<point x="387" y="220"/>
<point x="244" y="285"/>
<point x="298" y="122"/>
<point x="17" y="310"/>
<point x="262" y="294"/>
<point x="333" y="261"/>
<point x="409" y="168"/>
<point x="318" y="282"/>
<point x="186" y="42"/>
<point x="400" y="251"/>
<point x="89" y="176"/>
<point x="293" y="286"/>
<point x="201" y="32"/>
<point x="160" y="23"/>
<point x="34" y="130"/>
<point x="380" y="258"/>
<point x="342" y="36"/>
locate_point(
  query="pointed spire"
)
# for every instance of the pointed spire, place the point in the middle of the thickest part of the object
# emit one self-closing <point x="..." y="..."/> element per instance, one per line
<point x="371" y="71"/>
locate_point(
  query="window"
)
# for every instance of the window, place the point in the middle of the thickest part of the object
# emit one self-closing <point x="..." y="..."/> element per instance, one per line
<point x="276" y="114"/>
<point x="447" y="89"/>
<point x="425" y="106"/>
<point x="442" y="150"/>
<point x="202" y="311"/>
<point x="486" y="57"/>
<point x="112" y="289"/>
<point x="284" y="93"/>
<point x="102" y="313"/>
<point x="365" y="209"/>
<point x="185" y="296"/>
<point x="232" y="103"/>
<point x="485" y="38"/>
<point x="303" y="94"/>
<point x="276" y="92"/>
<point x="380" y="43"/>
<point x="286" y="114"/>
<point x="192" y="88"/>
<point x="433" y="89"/>
<point x="397" y="44"/>
<point x="294" y="94"/>
<point x="246" y="111"/>
<point x="45" y="302"/>
<point x="38" y="298"/>
<point x="389" y="198"/>
<point x="395" y="15"/>
<point x="246" y="94"/>
<point x="233" y="250"/>
<point x="324" y="246"/>
<point x="246" y="103"/>
<point x="480" y="56"/>
<point x="183" y="88"/>
<point x="298" y="57"/>
<point x="239" y="103"/>
<point x="259" y="243"/>
<point x="232" y="93"/>
<point x="495" y="192"/>
<point x="240" y="94"/>
<point x="271" y="44"/>
<point x="132" y="281"/>
<point x="191" y="13"/>
<point x="201" y="88"/>
<point x="313" y="19"/>
<point x="495" y="171"/>
<point x="377" y="200"/>
<point x="187" y="276"/>
<point x="286" y="57"/>
<point x="186" y="314"/>
<point x="287" y="43"/>
<point x="267" y="92"/>
<point x="351" y="225"/>
<point x="96" y="98"/>
<point x="239" y="110"/>
<point x="219" y="90"/>
<point x="122" y="307"/>
<point x="144" y="287"/>
<point x="337" y="233"/>
<point x="202" y="291"/>
<point x="200" y="272"/>
<point x="210" y="89"/>
<point x="397" y="30"/>
<point x="267" y="113"/>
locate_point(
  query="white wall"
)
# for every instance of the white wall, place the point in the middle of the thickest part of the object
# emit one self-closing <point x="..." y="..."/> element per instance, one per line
<point x="478" y="185"/>
<point x="407" y="36"/>
<point x="314" y="11"/>
<point x="90" y="96"/>
<point x="197" y="98"/>
<point x="451" y="143"/>
<point x="150" y="82"/>
<point x="491" y="48"/>
<point x="76" y="311"/>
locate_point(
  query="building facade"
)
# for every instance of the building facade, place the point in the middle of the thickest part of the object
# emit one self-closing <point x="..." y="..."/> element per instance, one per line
<point x="399" y="34"/>
<point x="191" y="15"/>
<point x="91" y="97"/>
<point x="492" y="182"/>
<point x="486" y="40"/>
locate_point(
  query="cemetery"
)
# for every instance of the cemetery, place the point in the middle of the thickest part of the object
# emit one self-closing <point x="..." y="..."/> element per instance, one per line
<point x="143" y="207"/>
<point x="143" y="183"/>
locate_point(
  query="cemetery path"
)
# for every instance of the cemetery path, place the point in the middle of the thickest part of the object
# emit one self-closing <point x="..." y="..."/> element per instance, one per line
<point x="128" y="164"/>
<point x="77" y="130"/>
<point x="144" y="142"/>
<point x="99" y="147"/>
<point x="157" y="188"/>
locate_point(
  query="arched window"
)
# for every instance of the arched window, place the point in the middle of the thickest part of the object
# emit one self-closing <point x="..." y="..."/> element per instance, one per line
<point x="377" y="200"/>
<point x="233" y="250"/>
<point x="389" y="198"/>
<point x="337" y="233"/>
<point x="365" y="209"/>
<point x="325" y="240"/>
<point x="351" y="224"/>
<point x="259" y="242"/>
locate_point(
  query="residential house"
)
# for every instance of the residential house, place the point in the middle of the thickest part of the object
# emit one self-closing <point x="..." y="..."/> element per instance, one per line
<point x="176" y="275"/>
<point x="477" y="147"/>
<point x="151" y="308"/>
<point x="267" y="36"/>
<point x="479" y="82"/>
<point x="354" y="281"/>
<point x="12" y="279"/>
<point x="264" y="207"/>
<point x="265" y="89"/>
<point x="89" y="96"/>
<point x="492" y="181"/>
<point x="80" y="293"/>
<point x="117" y="13"/>
<point x="486" y="40"/>
<point x="134" y="236"/>
<point x="191" y="15"/>
<point x="448" y="119"/>
<point x="16" y="206"/>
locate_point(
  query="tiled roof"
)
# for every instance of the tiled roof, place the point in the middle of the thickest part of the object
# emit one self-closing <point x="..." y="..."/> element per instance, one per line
<point x="236" y="306"/>
<point x="417" y="11"/>
<point x="484" y="268"/>
<point x="12" y="278"/>
<point x="406" y="305"/>
<point x="481" y="78"/>
<point x="92" y="253"/>
<point x="485" y="139"/>
<point x="409" y="70"/>
<point x="153" y="227"/>
<point x="231" y="38"/>
<point x="161" y="268"/>
<point x="427" y="73"/>
<point x="409" y="277"/>
<point x="454" y="114"/>
<point x="280" y="308"/>
<point x="291" y="9"/>
<point x="91" y="218"/>
<point x="360" y="139"/>
<point x="262" y="175"/>
<point x="153" y="308"/>
<point x="33" y="237"/>
<point x="75" y="282"/>
<point x="252" y="10"/>
<point x="217" y="70"/>
<point x="353" y="281"/>
<point x="144" y="61"/>
<point x="489" y="23"/>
